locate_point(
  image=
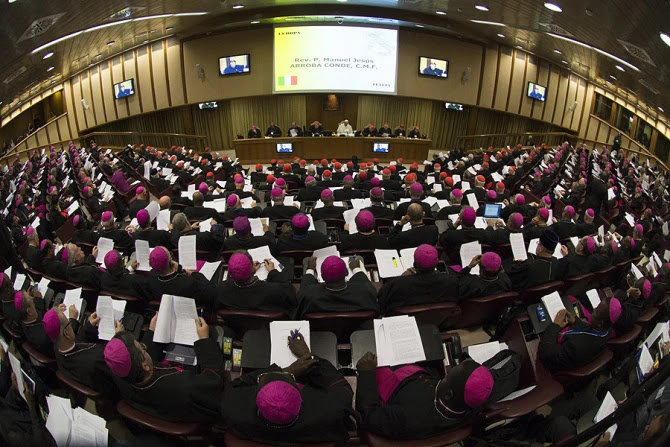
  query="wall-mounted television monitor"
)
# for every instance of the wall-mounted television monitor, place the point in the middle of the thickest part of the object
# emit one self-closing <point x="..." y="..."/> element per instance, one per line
<point x="208" y="105"/>
<point x="536" y="91"/>
<point x="380" y="147"/>
<point x="284" y="147"/>
<point x="429" y="66"/>
<point x="124" y="89"/>
<point x="453" y="106"/>
<point x="230" y="65"/>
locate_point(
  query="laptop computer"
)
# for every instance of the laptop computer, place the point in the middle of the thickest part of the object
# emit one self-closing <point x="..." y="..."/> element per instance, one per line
<point x="492" y="210"/>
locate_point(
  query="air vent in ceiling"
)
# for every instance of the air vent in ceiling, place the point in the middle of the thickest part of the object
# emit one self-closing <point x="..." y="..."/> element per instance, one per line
<point x="126" y="13"/>
<point x="636" y="51"/>
<point x="555" y="29"/>
<point x="40" y="26"/>
<point x="649" y="86"/>
<point x="15" y="75"/>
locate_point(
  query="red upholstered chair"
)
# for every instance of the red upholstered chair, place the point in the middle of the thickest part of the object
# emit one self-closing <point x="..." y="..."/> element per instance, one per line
<point x="478" y="310"/>
<point x="647" y="315"/>
<point x="535" y="294"/>
<point x="77" y="387"/>
<point x="36" y="355"/>
<point x="159" y="425"/>
<point x="442" y="315"/>
<point x="242" y="320"/>
<point x="340" y="323"/>
<point x="233" y="441"/>
<point x="442" y="440"/>
<point x="578" y="285"/>
<point x="621" y="342"/>
<point x="570" y="376"/>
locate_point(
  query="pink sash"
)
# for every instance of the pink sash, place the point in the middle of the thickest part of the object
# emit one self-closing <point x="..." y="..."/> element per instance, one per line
<point x="388" y="380"/>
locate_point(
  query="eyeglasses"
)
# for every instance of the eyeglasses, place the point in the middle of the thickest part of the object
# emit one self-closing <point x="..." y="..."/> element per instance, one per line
<point x="279" y="374"/>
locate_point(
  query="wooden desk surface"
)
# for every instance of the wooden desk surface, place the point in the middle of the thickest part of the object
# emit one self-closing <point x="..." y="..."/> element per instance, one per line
<point x="262" y="150"/>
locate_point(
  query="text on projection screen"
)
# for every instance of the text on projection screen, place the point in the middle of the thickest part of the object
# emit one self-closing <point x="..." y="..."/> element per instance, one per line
<point x="335" y="59"/>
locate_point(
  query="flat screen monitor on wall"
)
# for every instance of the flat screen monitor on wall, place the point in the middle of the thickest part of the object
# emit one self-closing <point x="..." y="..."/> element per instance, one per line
<point x="335" y="59"/>
<point x="453" y="106"/>
<point x="208" y="105"/>
<point x="536" y="91"/>
<point x="429" y="66"/>
<point x="124" y="89"/>
<point x="380" y="147"/>
<point x="231" y="65"/>
<point x="284" y="147"/>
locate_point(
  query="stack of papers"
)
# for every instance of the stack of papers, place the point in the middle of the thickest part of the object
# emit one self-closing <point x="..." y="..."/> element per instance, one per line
<point x="108" y="310"/>
<point x="398" y="341"/>
<point x="391" y="263"/>
<point x="74" y="428"/>
<point x="280" y="353"/>
<point x="176" y="321"/>
<point x="485" y="351"/>
<point x="259" y="255"/>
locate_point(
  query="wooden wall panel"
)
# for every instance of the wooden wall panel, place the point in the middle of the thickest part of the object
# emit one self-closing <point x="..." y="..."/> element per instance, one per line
<point x="531" y="76"/>
<point x="591" y="129"/>
<point x="566" y="117"/>
<point x="129" y="69"/>
<point x="159" y="79"/>
<point x="145" y="80"/>
<point x="516" y="82"/>
<point x="69" y="108"/>
<point x="76" y="102"/>
<point x="117" y="76"/>
<point x="488" y="77"/>
<point x="581" y="93"/>
<point x="502" y="86"/>
<point x="100" y="107"/>
<point x="559" y="107"/>
<point x="174" y="72"/>
<point x="52" y="132"/>
<point x="86" y="94"/>
<point x="108" y="91"/>
<point x="552" y="93"/>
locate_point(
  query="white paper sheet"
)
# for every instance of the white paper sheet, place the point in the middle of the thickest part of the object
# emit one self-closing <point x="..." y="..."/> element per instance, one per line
<point x="257" y="226"/>
<point x="209" y="268"/>
<point x="350" y="218"/>
<point x="105" y="310"/>
<point x="73" y="297"/>
<point x="321" y="255"/>
<point x="280" y="354"/>
<point x="142" y="253"/>
<point x="472" y="201"/>
<point x="105" y="245"/>
<point x="661" y="329"/>
<point x="260" y="254"/>
<point x="19" y="281"/>
<point x="59" y="422"/>
<point x="552" y="304"/>
<point x="593" y="297"/>
<point x="388" y="263"/>
<point x="43" y="285"/>
<point x="485" y="351"/>
<point x="636" y="271"/>
<point x="186" y="248"/>
<point x="517" y="393"/>
<point x="518" y="246"/>
<point x="398" y="341"/>
<point x="607" y="407"/>
<point x="205" y="225"/>
<point x="469" y="251"/>
<point x="176" y="321"/>
<point x="15" y="363"/>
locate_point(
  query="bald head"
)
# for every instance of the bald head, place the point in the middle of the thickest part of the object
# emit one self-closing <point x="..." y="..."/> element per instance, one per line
<point x="198" y="198"/>
<point x="165" y="203"/>
<point x="415" y="213"/>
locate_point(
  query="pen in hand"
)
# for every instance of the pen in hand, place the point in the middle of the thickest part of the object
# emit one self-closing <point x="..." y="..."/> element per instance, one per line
<point x="295" y="334"/>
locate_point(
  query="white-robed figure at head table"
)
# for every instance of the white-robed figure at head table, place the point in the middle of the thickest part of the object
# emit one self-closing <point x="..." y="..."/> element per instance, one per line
<point x="344" y="128"/>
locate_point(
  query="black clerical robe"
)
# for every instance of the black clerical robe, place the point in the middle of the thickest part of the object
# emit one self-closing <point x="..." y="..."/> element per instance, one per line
<point x="453" y="238"/>
<point x="309" y="194"/>
<point x="126" y="284"/>
<point x="179" y="283"/>
<point x="120" y="237"/>
<point x="87" y="236"/>
<point x="235" y="242"/>
<point x="417" y="235"/>
<point x="532" y="272"/>
<point x="271" y="295"/>
<point x="138" y="204"/>
<point x="401" y="209"/>
<point x="380" y="211"/>
<point x="328" y="212"/>
<point x="202" y="213"/>
<point x="210" y="241"/>
<point x="564" y="229"/>
<point x="156" y="238"/>
<point x="313" y="240"/>
<point x="348" y="193"/>
<point x="580" y="345"/>
<point x="572" y="265"/>
<point x="275" y="212"/>
<point x="84" y="275"/>
<point x="251" y="213"/>
<point x="471" y="286"/>
<point x="359" y="241"/>
<point x="85" y="362"/>
<point x="420" y="288"/>
<point x="359" y="294"/>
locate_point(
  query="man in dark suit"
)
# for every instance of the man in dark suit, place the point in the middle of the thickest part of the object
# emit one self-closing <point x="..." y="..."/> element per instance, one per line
<point x="417" y="235"/>
<point x="273" y="131"/>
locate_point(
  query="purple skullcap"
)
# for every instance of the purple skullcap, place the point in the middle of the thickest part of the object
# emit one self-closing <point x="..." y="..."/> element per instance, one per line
<point x="333" y="269"/>
<point x="279" y="402"/>
<point x="457" y="192"/>
<point x="646" y="289"/>
<point x="300" y="221"/>
<point x="75" y="220"/>
<point x="491" y="194"/>
<point x="469" y="216"/>
<point x="639" y="228"/>
<point x="416" y="188"/>
<point x="43" y="208"/>
<point x="30" y="231"/>
<point x="377" y="191"/>
<point x="232" y="200"/>
<point x="615" y="247"/>
<point x="425" y="257"/>
<point x="365" y="220"/>
<point x="43" y="244"/>
<point x="520" y="199"/>
<point x="239" y="179"/>
<point x="111" y="259"/>
<point x="280" y="182"/>
<point x="18" y="301"/>
<point x="242" y="225"/>
<point x="569" y="210"/>
<point x="491" y="261"/>
<point x="632" y="243"/>
<point x="547" y="200"/>
<point x="86" y="189"/>
<point x="538" y="175"/>
<point x="590" y="212"/>
<point x="107" y="216"/>
<point x="517" y="220"/>
<point x="309" y="179"/>
<point x="202" y="187"/>
<point x="326" y="194"/>
<point x="544" y="213"/>
<point x="51" y="324"/>
<point x="590" y="245"/>
<point x="142" y="217"/>
<point x="240" y="267"/>
<point x="615" y="310"/>
<point x="139" y="190"/>
<point x="374" y="181"/>
<point x="117" y="357"/>
<point x="276" y="192"/>
<point x="53" y="188"/>
<point x="159" y="259"/>
<point x="478" y="387"/>
<point x="547" y="171"/>
<point x="347" y="177"/>
<point x="65" y="255"/>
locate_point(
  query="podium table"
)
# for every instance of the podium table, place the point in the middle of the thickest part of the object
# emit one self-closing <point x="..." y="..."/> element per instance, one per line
<point x="262" y="150"/>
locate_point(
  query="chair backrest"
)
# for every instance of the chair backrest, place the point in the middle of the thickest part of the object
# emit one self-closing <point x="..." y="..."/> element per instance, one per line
<point x="572" y="375"/>
<point x="159" y="425"/>
<point x="77" y="387"/>
<point x="578" y="285"/>
<point x="231" y="440"/>
<point x="442" y="315"/>
<point x="297" y="255"/>
<point x="448" y="438"/>
<point x="368" y="254"/>
<point x="479" y="310"/>
<point x="341" y="323"/>
<point x="36" y="355"/>
<point x="534" y="294"/>
<point x="242" y="320"/>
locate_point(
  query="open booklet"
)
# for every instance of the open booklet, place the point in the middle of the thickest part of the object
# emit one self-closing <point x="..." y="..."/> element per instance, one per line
<point x="391" y="263"/>
<point x="176" y="321"/>
<point x="398" y="341"/>
<point x="108" y="310"/>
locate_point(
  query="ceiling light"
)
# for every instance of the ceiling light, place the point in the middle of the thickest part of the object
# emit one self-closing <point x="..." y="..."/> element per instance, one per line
<point x="187" y="14"/>
<point x="342" y="1"/>
<point x="169" y="28"/>
<point x="98" y="55"/>
<point x="484" y="22"/>
<point x="145" y="41"/>
<point x="565" y="62"/>
<point x="52" y="76"/>
<point x="106" y="25"/>
<point x="482" y="7"/>
<point x="619" y="67"/>
<point x="442" y="13"/>
<point x="159" y="16"/>
<point x="418" y="25"/>
<point x="598" y="50"/>
<point x="48" y="55"/>
<point x="255" y="21"/>
<point x="553" y="7"/>
<point x="49" y="69"/>
<point x="659" y="108"/>
<point x="613" y="77"/>
<point x="557" y="51"/>
<point x="500" y="35"/>
<point x="519" y="47"/>
<point x="665" y="38"/>
<point x="238" y="6"/>
<point x="111" y="42"/>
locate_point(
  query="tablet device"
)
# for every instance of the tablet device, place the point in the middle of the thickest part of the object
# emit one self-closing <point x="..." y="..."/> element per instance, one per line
<point x="492" y="210"/>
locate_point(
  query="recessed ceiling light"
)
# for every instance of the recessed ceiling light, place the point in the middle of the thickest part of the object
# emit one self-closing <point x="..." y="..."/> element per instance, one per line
<point x="187" y="14"/>
<point x="597" y="50"/>
<point x="442" y="13"/>
<point x="49" y="69"/>
<point x="52" y="76"/>
<point x="486" y="22"/>
<point x="565" y="62"/>
<point x="169" y="28"/>
<point x="613" y="77"/>
<point x="500" y="35"/>
<point x="557" y="51"/>
<point x="145" y="41"/>
<point x="665" y="38"/>
<point x="48" y="55"/>
<point x="342" y="1"/>
<point x="98" y="55"/>
<point x="238" y="6"/>
<point x="619" y="67"/>
<point x="482" y="7"/>
<point x="255" y="21"/>
<point x="519" y="47"/>
<point x="553" y="7"/>
<point x="659" y="108"/>
<point x="111" y="42"/>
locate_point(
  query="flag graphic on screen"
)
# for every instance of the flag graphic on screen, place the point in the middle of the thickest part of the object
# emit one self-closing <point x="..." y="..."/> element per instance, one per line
<point x="288" y="80"/>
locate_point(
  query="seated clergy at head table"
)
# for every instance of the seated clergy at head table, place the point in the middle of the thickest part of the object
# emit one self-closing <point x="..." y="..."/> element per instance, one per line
<point x="299" y="237"/>
<point x="243" y="290"/>
<point x="120" y="237"/>
<point x="571" y="342"/>
<point x="81" y="268"/>
<point x="336" y="294"/>
<point x="419" y="284"/>
<point x="199" y="212"/>
<point x="409" y="402"/>
<point x="344" y="128"/>
<point x="377" y="207"/>
<point x="168" y="278"/>
<point x="278" y="210"/>
<point x="418" y="233"/>
<point x="540" y="268"/>
<point x="78" y="354"/>
<point x="234" y="209"/>
<point x="366" y="238"/>
<point x="416" y="193"/>
<point x="328" y="210"/>
<point x="307" y="402"/>
<point x="211" y="240"/>
<point x="243" y="239"/>
<point x="273" y="131"/>
<point x="170" y="393"/>
<point x="145" y="232"/>
<point x="491" y="279"/>
<point x="254" y="132"/>
<point x="117" y="278"/>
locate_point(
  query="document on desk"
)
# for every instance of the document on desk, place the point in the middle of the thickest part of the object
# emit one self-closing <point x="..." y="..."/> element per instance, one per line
<point x="593" y="297"/>
<point x="485" y="351"/>
<point x="280" y="354"/>
<point x="209" y="268"/>
<point x="257" y="226"/>
<point x="660" y="330"/>
<point x="73" y="297"/>
<point x="176" y="321"/>
<point x="259" y="255"/>
<point x="187" y="252"/>
<point x="518" y="246"/>
<point x="105" y="245"/>
<point x="59" y="421"/>
<point x="142" y="253"/>
<point x="153" y="209"/>
<point x="517" y="393"/>
<point x="398" y="341"/>
<point x="469" y="251"/>
<point x="388" y="263"/>
<point x="552" y="304"/>
<point x="88" y="429"/>
<point x="350" y="218"/>
<point x="407" y="257"/>
<point x="108" y="310"/>
<point x="607" y="407"/>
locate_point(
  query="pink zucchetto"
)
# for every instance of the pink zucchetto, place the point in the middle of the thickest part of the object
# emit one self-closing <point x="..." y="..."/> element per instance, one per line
<point x="18" y="301"/>
<point x="326" y="194"/>
<point x="232" y="200"/>
<point x="547" y="200"/>
<point x="520" y="199"/>
<point x="309" y="179"/>
<point x="469" y="216"/>
<point x="111" y="259"/>
<point x="590" y="245"/>
<point x="51" y="324"/>
<point x="117" y="357"/>
<point x="202" y="187"/>
<point x="347" y="177"/>
<point x="569" y="211"/>
<point x="142" y="217"/>
<point x="107" y="216"/>
<point x="517" y="220"/>
<point x="491" y="194"/>
<point x="280" y="182"/>
<point x="239" y="179"/>
<point x="478" y="387"/>
<point x="416" y="188"/>
<point x="240" y="267"/>
<point x="544" y="213"/>
<point x="159" y="259"/>
<point x="491" y="261"/>
<point x="43" y="245"/>
<point x="241" y="225"/>
<point x="425" y="257"/>
<point x="86" y="189"/>
<point x="646" y="289"/>
<point x="65" y="255"/>
<point x="374" y="181"/>
<point x="639" y="228"/>
<point x="457" y="192"/>
<point x="279" y="402"/>
<point x="139" y="190"/>
<point x="365" y="220"/>
<point x="276" y="192"/>
<point x="300" y="221"/>
<point x="75" y="220"/>
<point x="590" y="212"/>
<point x="333" y="269"/>
<point x="615" y="310"/>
